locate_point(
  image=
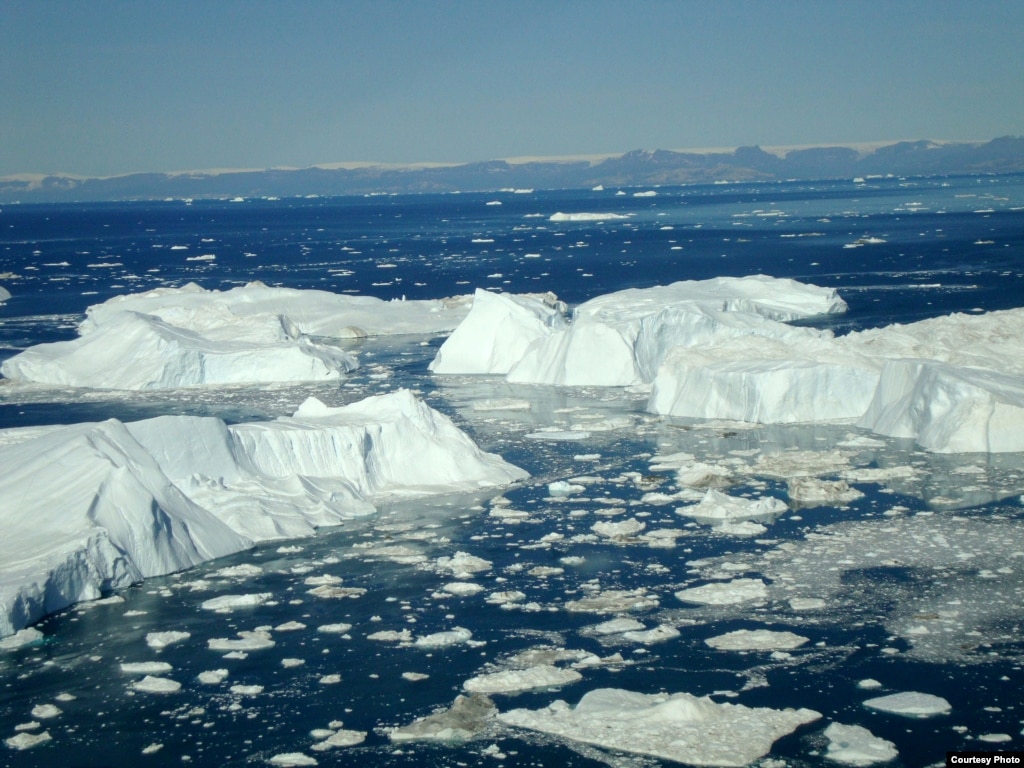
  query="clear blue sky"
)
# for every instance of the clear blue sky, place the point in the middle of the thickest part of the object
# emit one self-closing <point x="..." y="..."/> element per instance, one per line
<point x="101" y="87"/>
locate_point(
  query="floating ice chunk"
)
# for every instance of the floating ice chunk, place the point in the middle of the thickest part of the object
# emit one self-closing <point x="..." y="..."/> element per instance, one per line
<point x="246" y="690"/>
<point x="496" y="333"/>
<point x="467" y="717"/>
<point x="658" y="634"/>
<point x="725" y="593"/>
<point x="678" y="727"/>
<point x="292" y="760"/>
<point x="462" y="588"/>
<point x="391" y="636"/>
<point x="717" y="506"/>
<point x="4" y="294"/>
<point x="463" y="565"/>
<point x="806" y="603"/>
<point x="27" y="740"/>
<point x="455" y="636"/>
<point x="152" y="749"/>
<point x="910" y="704"/>
<point x="756" y="640"/>
<point x="701" y="475"/>
<point x="160" y="640"/>
<point x="616" y="626"/>
<point x="290" y="663"/>
<point x="414" y="677"/>
<point x="241" y="571"/>
<point x="814" y="492"/>
<point x="150" y="684"/>
<point x="585" y="216"/>
<point x="506" y="597"/>
<point x="995" y="738"/>
<point x="513" y="680"/>
<point x="46" y="711"/>
<point x="855" y="745"/>
<point x="21" y="639"/>
<point x="340" y="738"/>
<point x="290" y="626"/>
<point x="621" y="530"/>
<point x="146" y="667"/>
<point x="337" y="629"/>
<point x="212" y="676"/>
<point x="247" y="641"/>
<point x="614" y="601"/>
<point x="228" y="603"/>
<point x="562" y="488"/>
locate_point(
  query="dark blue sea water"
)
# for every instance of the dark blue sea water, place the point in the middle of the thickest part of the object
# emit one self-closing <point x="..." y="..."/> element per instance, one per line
<point x="898" y="250"/>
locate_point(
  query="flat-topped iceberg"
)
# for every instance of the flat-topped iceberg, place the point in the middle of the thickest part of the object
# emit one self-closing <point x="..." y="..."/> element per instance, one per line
<point x="678" y="727"/>
<point x="99" y="506"/>
<point x="253" y="334"/>
<point x="953" y="383"/>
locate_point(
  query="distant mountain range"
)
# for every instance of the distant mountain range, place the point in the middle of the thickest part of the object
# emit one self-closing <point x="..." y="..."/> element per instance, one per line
<point x="637" y="168"/>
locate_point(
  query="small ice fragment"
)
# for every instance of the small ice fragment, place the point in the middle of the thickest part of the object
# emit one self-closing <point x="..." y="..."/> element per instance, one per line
<point x="292" y="759"/>
<point x="725" y="593"/>
<point x="152" y="749"/>
<point x="337" y="629"/>
<point x="756" y="640"/>
<point x="340" y="738"/>
<point x="20" y="639"/>
<point x="226" y="603"/>
<point x="455" y="636"/>
<point x="246" y="690"/>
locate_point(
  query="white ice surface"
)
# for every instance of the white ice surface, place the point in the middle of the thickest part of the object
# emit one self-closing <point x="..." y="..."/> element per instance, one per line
<point x="100" y="506"/>
<point x="4" y="294"/>
<point x="678" y="727"/>
<point x="910" y="704"/>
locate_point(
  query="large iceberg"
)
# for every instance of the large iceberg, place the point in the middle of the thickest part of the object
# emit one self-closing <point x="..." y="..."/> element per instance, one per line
<point x="253" y="334"/>
<point x="953" y="383"/>
<point x="621" y="339"/>
<point x="98" y="506"/>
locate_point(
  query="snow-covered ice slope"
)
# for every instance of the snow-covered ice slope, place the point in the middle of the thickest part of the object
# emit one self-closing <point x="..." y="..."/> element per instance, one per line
<point x="99" y="506"/>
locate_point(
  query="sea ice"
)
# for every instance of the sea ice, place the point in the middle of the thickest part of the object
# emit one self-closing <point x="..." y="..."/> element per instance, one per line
<point x="27" y="740"/>
<point x="756" y="640"/>
<point x="4" y="294"/>
<point x="678" y="727"/>
<point x="228" y="603"/>
<point x="725" y="593"/>
<point x="20" y="639"/>
<point x="720" y="507"/>
<point x="467" y="717"/>
<point x="160" y="640"/>
<point x="910" y="704"/>
<point x="514" y="680"/>
<point x="455" y="636"/>
<point x="856" y="745"/>
<point x="246" y="641"/>
<point x="151" y="684"/>
<point x="145" y="667"/>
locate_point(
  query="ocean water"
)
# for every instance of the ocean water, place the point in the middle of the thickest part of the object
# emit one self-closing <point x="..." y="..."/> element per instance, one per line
<point x="920" y="580"/>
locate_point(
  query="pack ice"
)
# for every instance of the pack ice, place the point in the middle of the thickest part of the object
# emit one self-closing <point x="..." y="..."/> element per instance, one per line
<point x="189" y="336"/>
<point x="98" y="506"/>
<point x="723" y="349"/>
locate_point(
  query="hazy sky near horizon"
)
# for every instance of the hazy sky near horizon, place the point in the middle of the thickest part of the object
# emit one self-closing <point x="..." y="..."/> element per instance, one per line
<point x="114" y="86"/>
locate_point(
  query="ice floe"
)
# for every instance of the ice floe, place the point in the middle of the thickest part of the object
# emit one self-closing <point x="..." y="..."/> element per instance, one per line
<point x="910" y="704"/>
<point x="515" y="680"/>
<point x="104" y="505"/>
<point x="678" y="727"/>
<point x="467" y="717"/>
<point x="756" y="640"/>
<point x="856" y="745"/>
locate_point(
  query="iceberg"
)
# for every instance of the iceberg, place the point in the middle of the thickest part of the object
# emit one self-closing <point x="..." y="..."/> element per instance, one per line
<point x="678" y="727"/>
<point x="953" y="384"/>
<point x="4" y="294"/>
<point x="96" y="507"/>
<point x="134" y="351"/>
<point x="253" y="334"/>
<point x="621" y="339"/>
<point x="497" y="332"/>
